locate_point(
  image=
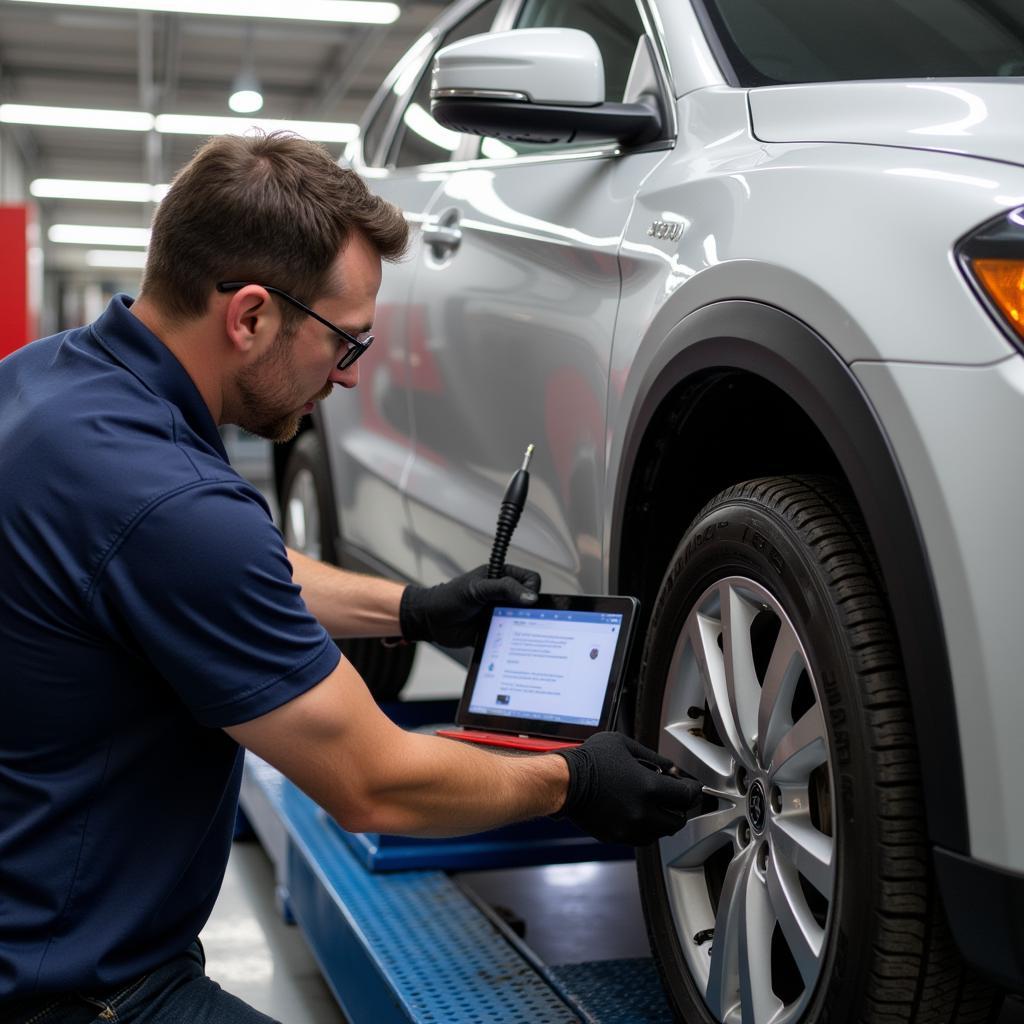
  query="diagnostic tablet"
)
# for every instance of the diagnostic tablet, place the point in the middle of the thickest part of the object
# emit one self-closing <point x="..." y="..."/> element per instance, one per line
<point x="552" y="671"/>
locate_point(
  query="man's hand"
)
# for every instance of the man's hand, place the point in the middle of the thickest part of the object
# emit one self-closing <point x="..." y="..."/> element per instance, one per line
<point x="452" y="613"/>
<point x="621" y="792"/>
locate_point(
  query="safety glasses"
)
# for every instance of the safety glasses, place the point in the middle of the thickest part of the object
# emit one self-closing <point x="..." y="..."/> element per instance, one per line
<point x="357" y="344"/>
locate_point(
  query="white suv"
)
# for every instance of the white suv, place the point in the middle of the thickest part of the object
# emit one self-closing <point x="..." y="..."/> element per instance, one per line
<point x="751" y="275"/>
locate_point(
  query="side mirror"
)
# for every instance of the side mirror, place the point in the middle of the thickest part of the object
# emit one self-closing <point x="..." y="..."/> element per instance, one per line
<point x="536" y="85"/>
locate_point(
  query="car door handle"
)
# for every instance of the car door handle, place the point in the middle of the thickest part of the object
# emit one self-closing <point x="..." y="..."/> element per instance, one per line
<point x="444" y="235"/>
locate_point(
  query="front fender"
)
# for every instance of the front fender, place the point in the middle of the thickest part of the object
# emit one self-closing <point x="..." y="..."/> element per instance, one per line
<point x="774" y="346"/>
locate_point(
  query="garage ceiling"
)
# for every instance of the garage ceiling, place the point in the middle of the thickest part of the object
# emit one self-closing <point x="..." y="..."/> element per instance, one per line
<point x="173" y="63"/>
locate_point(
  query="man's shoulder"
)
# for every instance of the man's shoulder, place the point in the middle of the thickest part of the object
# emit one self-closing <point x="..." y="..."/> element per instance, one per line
<point x="94" y="450"/>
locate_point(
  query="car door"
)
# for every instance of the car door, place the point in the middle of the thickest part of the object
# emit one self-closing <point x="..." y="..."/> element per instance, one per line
<point x="515" y="297"/>
<point x="370" y="432"/>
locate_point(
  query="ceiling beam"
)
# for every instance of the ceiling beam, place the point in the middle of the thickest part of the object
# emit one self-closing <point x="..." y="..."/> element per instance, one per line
<point x="345" y="65"/>
<point x="148" y="101"/>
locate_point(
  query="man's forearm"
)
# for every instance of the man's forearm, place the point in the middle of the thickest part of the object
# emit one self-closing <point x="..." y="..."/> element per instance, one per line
<point x="335" y="743"/>
<point x="347" y="604"/>
<point x="447" y="788"/>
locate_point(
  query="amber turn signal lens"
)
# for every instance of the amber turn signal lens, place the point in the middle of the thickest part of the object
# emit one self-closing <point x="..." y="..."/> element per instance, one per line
<point x="1004" y="282"/>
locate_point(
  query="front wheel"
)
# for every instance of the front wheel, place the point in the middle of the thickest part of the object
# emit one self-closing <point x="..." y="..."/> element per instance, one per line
<point x="800" y="889"/>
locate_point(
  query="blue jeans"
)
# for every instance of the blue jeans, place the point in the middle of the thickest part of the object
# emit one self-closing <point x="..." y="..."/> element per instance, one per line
<point x="178" y="992"/>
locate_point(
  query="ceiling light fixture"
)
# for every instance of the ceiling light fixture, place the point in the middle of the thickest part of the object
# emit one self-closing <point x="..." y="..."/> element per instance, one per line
<point x="172" y="124"/>
<point x="128" y="258"/>
<point x="92" y="234"/>
<point x="76" y="117"/>
<point x="198" y="124"/>
<point x="367" y="12"/>
<point x="246" y="97"/>
<point x="112" y="191"/>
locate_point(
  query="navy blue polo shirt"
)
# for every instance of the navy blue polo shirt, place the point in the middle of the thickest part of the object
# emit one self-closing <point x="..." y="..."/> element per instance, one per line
<point x="146" y="601"/>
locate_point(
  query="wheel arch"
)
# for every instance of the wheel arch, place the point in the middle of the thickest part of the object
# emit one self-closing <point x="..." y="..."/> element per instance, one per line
<point x="735" y="357"/>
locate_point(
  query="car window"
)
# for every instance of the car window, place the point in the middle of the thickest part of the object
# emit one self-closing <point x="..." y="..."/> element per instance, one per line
<point x="615" y="26"/>
<point x="789" y="41"/>
<point x="376" y="127"/>
<point x="420" y="139"/>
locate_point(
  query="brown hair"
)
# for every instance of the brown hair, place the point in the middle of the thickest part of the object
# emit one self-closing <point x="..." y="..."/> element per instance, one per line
<point x="273" y="209"/>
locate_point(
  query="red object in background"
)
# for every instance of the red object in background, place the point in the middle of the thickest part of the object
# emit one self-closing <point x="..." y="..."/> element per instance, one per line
<point x="19" y="269"/>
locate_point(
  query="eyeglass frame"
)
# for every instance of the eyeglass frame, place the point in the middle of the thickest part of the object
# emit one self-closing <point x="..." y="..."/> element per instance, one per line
<point x="355" y="349"/>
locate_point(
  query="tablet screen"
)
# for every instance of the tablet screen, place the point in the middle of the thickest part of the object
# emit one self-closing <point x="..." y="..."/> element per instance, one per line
<point x="549" y="670"/>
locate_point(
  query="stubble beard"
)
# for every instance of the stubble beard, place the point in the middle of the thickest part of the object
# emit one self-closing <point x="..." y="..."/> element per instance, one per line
<point x="268" y="405"/>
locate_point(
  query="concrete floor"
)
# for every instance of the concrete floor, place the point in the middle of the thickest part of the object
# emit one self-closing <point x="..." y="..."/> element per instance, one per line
<point x="252" y="953"/>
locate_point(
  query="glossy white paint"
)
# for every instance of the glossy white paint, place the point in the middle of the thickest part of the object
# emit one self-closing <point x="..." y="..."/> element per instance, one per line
<point x="975" y="118"/>
<point x="548" y="65"/>
<point x="690" y="61"/>
<point x="956" y="432"/>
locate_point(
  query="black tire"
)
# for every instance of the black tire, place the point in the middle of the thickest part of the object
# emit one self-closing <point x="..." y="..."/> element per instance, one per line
<point x="306" y="487"/>
<point x="884" y="952"/>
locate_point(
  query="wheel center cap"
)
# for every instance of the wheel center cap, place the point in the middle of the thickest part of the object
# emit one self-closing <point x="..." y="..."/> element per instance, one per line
<point x="757" y="807"/>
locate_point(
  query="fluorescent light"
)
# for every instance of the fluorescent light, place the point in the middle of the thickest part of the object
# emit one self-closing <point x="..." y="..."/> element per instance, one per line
<point x="172" y="124"/>
<point x="76" y="117"/>
<point x="91" y="234"/>
<point x="198" y="124"/>
<point x="115" y="258"/>
<point x="420" y="122"/>
<point x="114" y="191"/>
<point x="363" y="11"/>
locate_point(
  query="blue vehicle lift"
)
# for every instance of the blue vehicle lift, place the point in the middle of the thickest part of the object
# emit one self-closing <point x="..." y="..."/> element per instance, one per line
<point x="399" y="940"/>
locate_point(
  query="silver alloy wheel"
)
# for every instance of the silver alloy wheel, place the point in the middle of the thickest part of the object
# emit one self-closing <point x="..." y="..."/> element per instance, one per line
<point x="751" y="877"/>
<point x="302" y="515"/>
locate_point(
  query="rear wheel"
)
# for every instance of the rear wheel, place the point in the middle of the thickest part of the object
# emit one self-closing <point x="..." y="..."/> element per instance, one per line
<point x="308" y="524"/>
<point x="801" y="888"/>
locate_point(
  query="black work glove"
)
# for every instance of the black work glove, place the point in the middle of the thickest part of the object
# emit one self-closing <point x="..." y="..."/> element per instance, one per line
<point x="621" y="792"/>
<point x="452" y="613"/>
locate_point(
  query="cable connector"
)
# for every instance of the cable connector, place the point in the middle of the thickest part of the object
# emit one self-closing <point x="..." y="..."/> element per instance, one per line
<point x="512" y="505"/>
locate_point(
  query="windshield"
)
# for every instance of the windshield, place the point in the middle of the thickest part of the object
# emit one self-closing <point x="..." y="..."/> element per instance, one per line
<point x="777" y="42"/>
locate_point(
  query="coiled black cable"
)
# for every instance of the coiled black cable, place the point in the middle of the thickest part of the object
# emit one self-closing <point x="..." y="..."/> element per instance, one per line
<point x="512" y="505"/>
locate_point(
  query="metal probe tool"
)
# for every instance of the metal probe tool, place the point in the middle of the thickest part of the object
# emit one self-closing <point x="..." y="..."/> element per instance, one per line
<point x="512" y="505"/>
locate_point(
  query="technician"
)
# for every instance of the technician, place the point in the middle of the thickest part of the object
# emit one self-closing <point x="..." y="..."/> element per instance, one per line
<point x="153" y="624"/>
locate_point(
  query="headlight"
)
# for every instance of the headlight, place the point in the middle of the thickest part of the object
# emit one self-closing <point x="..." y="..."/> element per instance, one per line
<point x="993" y="259"/>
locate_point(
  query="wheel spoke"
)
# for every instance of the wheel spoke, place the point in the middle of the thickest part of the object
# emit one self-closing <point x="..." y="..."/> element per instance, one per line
<point x="773" y="715"/>
<point x="710" y="764"/>
<point x="703" y="636"/>
<point x="691" y="846"/>
<point x="744" y="690"/>
<point x="796" y="841"/>
<point x="722" y="978"/>
<point x="801" y="749"/>
<point x="802" y="933"/>
<point x="758" y="1001"/>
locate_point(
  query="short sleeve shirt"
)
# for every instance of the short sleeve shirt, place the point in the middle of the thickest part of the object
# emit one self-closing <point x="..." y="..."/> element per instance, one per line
<point x="146" y="601"/>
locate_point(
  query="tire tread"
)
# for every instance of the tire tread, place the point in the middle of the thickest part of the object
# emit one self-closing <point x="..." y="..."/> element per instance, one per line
<point x="916" y="973"/>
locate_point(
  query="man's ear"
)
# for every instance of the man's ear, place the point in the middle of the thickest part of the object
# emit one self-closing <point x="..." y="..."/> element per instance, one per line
<point x="251" y="320"/>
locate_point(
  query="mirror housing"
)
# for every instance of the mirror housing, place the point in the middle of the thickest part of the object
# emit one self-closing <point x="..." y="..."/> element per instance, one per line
<point x="535" y="85"/>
